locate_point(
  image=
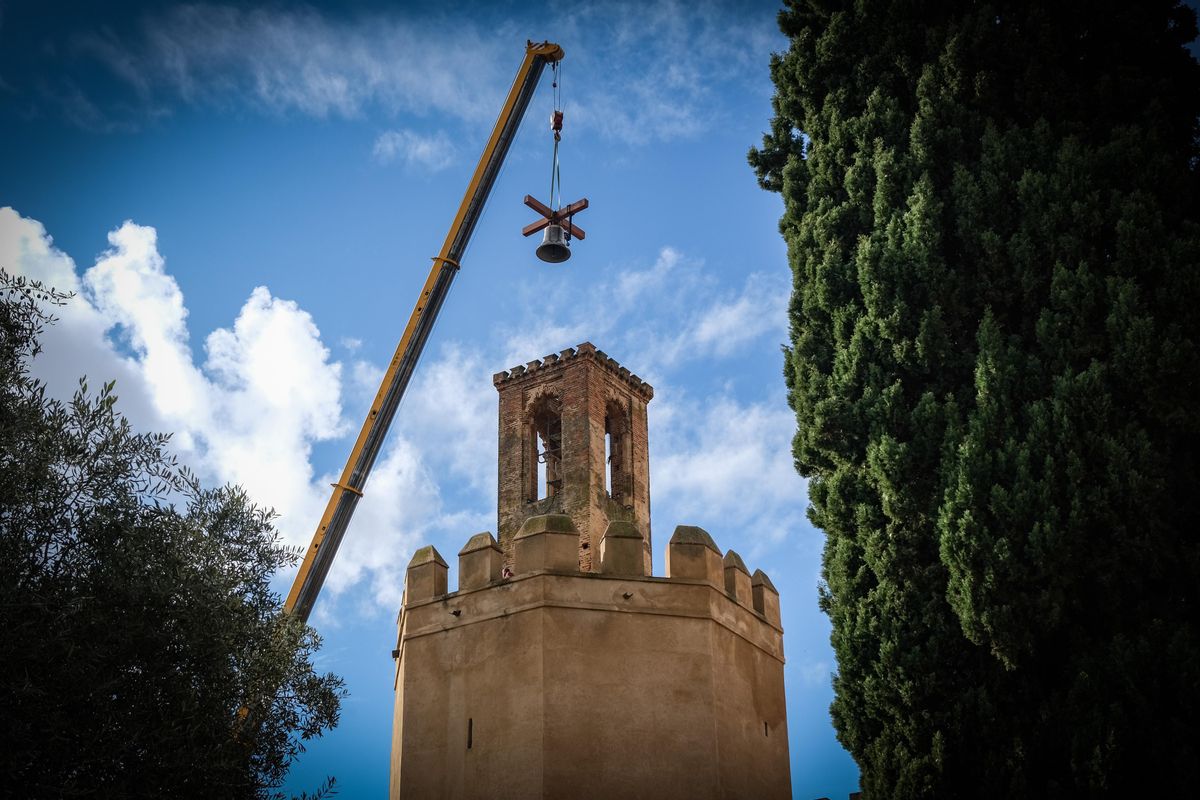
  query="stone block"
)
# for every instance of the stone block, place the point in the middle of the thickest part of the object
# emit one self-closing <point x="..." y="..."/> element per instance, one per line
<point x="547" y="541"/>
<point x="737" y="579"/>
<point x="693" y="555"/>
<point x="766" y="597"/>
<point x="479" y="562"/>
<point x="623" y="550"/>
<point x="426" y="575"/>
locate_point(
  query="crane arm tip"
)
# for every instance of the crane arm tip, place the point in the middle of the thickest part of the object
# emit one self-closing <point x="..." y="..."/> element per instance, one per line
<point x="547" y="50"/>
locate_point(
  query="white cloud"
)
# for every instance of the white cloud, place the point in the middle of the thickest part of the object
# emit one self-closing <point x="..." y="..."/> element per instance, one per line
<point x="727" y="464"/>
<point x="545" y="336"/>
<point x="399" y="508"/>
<point x="699" y="49"/>
<point x="398" y="63"/>
<point x="728" y="324"/>
<point x="431" y="153"/>
<point x="268" y="389"/>
<point x="451" y="408"/>
<point x="694" y="317"/>
<point x="364" y="381"/>
<point x="300" y="61"/>
<point x="129" y="288"/>
<point x="79" y="337"/>
<point x="705" y="320"/>
<point x="633" y="286"/>
<point x="275" y="393"/>
<point x="815" y="673"/>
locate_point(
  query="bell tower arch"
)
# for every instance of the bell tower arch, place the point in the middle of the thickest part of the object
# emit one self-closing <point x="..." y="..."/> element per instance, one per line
<point x="574" y="440"/>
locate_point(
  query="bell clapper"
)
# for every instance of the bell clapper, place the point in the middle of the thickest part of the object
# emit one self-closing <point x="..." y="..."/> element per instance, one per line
<point x="557" y="222"/>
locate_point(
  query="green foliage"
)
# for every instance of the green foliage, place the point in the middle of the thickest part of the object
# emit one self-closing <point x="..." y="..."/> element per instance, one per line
<point x="134" y="631"/>
<point x="991" y="218"/>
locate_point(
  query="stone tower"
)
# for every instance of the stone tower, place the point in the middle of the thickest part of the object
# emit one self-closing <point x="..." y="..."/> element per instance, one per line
<point x="561" y="667"/>
<point x="573" y="440"/>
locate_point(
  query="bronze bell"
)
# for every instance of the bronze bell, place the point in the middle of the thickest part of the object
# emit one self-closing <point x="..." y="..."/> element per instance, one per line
<point x="553" y="248"/>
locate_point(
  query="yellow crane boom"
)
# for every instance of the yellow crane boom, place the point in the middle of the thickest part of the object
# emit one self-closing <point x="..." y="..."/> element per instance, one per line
<point x="349" y="488"/>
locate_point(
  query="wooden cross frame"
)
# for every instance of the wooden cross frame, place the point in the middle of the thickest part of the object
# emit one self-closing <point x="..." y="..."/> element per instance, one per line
<point x="561" y="217"/>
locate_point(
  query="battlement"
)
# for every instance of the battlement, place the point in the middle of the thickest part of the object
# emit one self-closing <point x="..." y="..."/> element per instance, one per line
<point x="560" y="666"/>
<point x="558" y="361"/>
<point x="552" y="680"/>
<point x="548" y="544"/>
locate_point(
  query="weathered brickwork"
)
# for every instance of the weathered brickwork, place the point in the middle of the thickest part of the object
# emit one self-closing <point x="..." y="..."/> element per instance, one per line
<point x="559" y="410"/>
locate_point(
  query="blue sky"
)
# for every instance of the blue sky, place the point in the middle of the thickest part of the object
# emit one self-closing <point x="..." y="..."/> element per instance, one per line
<point x="245" y="199"/>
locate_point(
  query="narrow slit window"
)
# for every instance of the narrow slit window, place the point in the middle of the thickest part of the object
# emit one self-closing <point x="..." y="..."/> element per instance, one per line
<point x="470" y="732"/>
<point x="608" y="485"/>
<point x="616" y="452"/>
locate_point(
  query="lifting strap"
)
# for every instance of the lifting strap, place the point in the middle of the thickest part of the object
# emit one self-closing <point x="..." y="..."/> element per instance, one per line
<point x="556" y="123"/>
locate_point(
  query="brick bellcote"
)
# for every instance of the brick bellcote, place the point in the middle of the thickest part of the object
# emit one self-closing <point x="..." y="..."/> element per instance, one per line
<point x="573" y="440"/>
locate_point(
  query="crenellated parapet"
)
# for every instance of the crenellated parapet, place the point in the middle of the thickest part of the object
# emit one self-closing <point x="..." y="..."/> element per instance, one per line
<point x="426" y="575"/>
<point x="561" y="666"/>
<point x="544" y="676"/>
<point x="559" y="360"/>
<point x="480" y="562"/>
<point x="548" y="544"/>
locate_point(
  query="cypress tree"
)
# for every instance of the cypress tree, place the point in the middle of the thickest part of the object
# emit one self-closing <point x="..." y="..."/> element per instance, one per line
<point x="990" y="212"/>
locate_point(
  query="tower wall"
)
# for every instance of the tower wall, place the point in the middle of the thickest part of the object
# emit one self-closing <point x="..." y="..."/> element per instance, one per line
<point x="559" y="683"/>
<point x="560" y="667"/>
<point x="586" y="389"/>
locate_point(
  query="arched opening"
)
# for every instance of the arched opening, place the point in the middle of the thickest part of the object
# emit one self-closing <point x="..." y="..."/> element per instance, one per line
<point x="544" y="448"/>
<point x="617" y="453"/>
